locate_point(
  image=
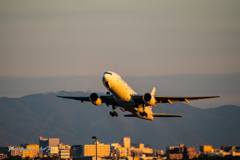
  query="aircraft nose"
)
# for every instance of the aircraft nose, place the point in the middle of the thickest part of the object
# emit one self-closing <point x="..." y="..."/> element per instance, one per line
<point x="106" y="76"/>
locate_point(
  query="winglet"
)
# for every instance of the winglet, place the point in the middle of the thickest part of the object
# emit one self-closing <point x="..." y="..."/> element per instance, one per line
<point x="153" y="91"/>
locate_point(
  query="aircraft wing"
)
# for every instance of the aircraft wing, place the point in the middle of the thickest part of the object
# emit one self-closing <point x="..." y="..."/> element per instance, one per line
<point x="157" y="115"/>
<point x="108" y="99"/>
<point x="165" y="99"/>
<point x="170" y="100"/>
<point x="166" y="115"/>
<point x="82" y="98"/>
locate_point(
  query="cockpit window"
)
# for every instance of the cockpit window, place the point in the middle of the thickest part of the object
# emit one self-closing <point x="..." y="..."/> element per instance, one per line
<point x="107" y="85"/>
<point x="107" y="73"/>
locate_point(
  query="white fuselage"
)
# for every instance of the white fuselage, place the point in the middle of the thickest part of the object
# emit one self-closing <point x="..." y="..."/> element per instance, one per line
<point x="122" y="94"/>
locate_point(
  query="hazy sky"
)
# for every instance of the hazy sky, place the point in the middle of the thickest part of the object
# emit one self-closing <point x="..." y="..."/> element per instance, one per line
<point x="50" y="38"/>
<point x="198" y="40"/>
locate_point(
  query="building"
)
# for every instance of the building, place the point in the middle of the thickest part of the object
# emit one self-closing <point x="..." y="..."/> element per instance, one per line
<point x="122" y="152"/>
<point x="180" y="152"/>
<point x="103" y="150"/>
<point x="43" y="142"/>
<point x="48" y="142"/>
<point x="54" y="151"/>
<point x="224" y="151"/>
<point x="31" y="151"/>
<point x="64" y="151"/>
<point x="145" y="150"/>
<point x="175" y="156"/>
<point x="115" y="146"/>
<point x="126" y="150"/>
<point x="206" y="148"/>
<point x="49" y="146"/>
<point x="175" y="149"/>
<point x="175" y="152"/>
<point x="126" y="142"/>
<point x="190" y="153"/>
<point x="75" y="151"/>
<point x="5" y="150"/>
<point x="141" y="150"/>
<point x="158" y="153"/>
<point x="3" y="156"/>
<point x="229" y="149"/>
<point x="16" y="150"/>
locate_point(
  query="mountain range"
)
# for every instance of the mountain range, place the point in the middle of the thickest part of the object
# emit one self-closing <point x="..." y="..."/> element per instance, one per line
<point x="23" y="119"/>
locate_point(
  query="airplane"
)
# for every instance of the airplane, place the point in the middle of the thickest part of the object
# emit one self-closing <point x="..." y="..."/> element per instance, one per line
<point x="121" y="95"/>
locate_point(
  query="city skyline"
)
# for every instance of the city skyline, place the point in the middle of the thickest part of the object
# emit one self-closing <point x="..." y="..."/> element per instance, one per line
<point x="52" y="147"/>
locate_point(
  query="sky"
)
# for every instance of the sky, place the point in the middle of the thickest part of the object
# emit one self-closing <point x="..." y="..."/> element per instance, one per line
<point x="139" y="38"/>
<point x="42" y="40"/>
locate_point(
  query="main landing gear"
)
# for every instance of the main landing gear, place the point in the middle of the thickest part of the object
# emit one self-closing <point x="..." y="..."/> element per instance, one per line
<point x="114" y="113"/>
<point x="143" y="114"/>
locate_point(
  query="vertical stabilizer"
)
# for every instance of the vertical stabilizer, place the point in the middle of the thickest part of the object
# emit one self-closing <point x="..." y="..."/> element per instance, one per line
<point x="153" y="91"/>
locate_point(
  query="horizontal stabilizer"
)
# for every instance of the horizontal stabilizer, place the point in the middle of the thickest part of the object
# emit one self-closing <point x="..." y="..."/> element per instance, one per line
<point x="129" y="115"/>
<point x="165" y="115"/>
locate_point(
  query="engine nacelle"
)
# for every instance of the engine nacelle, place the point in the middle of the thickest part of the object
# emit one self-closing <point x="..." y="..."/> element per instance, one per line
<point x="149" y="99"/>
<point x="95" y="99"/>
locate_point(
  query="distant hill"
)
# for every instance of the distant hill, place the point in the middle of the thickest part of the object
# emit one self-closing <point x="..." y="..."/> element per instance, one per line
<point x="22" y="120"/>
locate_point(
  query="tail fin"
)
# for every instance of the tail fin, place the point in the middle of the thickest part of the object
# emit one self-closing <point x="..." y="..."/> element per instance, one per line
<point x="153" y="91"/>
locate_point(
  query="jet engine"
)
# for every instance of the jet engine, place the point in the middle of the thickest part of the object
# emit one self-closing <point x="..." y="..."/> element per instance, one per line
<point x="95" y="99"/>
<point x="149" y="99"/>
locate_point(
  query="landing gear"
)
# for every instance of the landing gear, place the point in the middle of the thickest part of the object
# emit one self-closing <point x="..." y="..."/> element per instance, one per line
<point x="114" y="114"/>
<point x="143" y="114"/>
